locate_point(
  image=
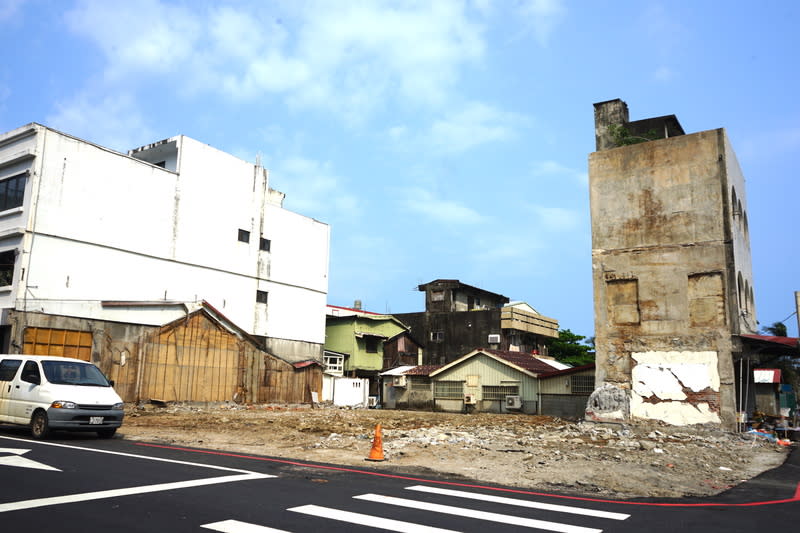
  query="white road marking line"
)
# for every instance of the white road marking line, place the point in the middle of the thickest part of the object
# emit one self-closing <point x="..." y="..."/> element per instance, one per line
<point x="234" y="526"/>
<point x="480" y="515"/>
<point x="520" y="503"/>
<point x="367" y="520"/>
<point x="115" y="493"/>
<point x="16" y="459"/>
<point x="123" y="454"/>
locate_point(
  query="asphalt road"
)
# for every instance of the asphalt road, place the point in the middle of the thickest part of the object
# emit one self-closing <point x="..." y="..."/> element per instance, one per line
<point x="77" y="482"/>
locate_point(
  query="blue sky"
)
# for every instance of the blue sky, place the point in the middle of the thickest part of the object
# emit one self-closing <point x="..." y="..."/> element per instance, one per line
<point x="444" y="139"/>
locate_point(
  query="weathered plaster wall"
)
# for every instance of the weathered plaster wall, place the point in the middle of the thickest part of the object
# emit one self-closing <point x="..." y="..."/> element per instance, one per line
<point x="678" y="388"/>
<point x="665" y="271"/>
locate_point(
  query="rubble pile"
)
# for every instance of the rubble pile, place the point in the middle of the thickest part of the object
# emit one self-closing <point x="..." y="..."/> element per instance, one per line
<point x="532" y="452"/>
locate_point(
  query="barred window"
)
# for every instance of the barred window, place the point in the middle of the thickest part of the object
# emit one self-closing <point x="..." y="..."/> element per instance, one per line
<point x="420" y="383"/>
<point x="448" y="389"/>
<point x="581" y="384"/>
<point x="499" y="392"/>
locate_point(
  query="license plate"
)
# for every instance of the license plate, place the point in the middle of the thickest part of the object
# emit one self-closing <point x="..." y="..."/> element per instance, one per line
<point x="95" y="419"/>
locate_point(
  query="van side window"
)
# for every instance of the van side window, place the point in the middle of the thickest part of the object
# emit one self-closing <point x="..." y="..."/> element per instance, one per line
<point x="30" y="373"/>
<point x="8" y="369"/>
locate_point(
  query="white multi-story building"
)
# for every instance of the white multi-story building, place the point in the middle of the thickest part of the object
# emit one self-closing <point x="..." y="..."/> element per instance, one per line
<point x="143" y="237"/>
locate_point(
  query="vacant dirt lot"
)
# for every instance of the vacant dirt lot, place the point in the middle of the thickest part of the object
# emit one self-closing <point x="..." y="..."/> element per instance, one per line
<point x="534" y="452"/>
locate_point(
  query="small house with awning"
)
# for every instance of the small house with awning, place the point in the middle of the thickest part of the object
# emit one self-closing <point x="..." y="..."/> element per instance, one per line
<point x="484" y="380"/>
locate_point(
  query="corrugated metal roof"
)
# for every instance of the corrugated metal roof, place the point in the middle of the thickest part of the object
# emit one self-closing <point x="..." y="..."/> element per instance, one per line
<point x="303" y="364"/>
<point x="568" y="371"/>
<point x="791" y="342"/>
<point x="398" y="371"/>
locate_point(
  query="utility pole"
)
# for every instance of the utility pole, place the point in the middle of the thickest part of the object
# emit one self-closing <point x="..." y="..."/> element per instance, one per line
<point x="797" y="310"/>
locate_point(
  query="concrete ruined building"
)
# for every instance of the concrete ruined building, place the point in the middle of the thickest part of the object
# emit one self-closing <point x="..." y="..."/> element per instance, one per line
<point x="97" y="246"/>
<point x="673" y="283"/>
<point x="459" y="318"/>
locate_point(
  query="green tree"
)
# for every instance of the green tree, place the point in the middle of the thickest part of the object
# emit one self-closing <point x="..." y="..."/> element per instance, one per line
<point x="777" y="329"/>
<point x="569" y="348"/>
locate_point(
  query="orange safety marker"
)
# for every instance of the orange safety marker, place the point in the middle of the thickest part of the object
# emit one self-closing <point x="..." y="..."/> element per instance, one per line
<point x="376" y="453"/>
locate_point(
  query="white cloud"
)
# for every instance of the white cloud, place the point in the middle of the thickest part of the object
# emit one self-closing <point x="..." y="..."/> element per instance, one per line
<point x="347" y="58"/>
<point x="767" y="144"/>
<point x="557" y="218"/>
<point x="138" y="37"/>
<point x="541" y="17"/>
<point x="312" y="187"/>
<point x="473" y="125"/>
<point x="113" y="121"/>
<point x="9" y="9"/>
<point x="664" y="74"/>
<point x="555" y="170"/>
<point x="432" y="207"/>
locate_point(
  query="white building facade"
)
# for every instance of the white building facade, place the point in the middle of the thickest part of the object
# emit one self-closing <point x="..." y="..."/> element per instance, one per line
<point x="144" y="237"/>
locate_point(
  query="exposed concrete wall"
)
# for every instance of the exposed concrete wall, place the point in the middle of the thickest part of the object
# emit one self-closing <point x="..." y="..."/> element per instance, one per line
<point x="293" y="351"/>
<point x="669" y="248"/>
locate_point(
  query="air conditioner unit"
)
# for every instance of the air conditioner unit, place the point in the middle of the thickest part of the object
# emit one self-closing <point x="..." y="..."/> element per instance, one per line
<point x="494" y="338"/>
<point x="470" y="399"/>
<point x="399" y="381"/>
<point x="372" y="401"/>
<point x="513" y="402"/>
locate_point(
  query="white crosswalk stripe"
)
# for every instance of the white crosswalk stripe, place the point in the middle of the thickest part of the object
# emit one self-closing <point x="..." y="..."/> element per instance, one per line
<point x="364" y="519"/>
<point x="235" y="526"/>
<point x="367" y="520"/>
<point x="480" y="515"/>
<point x="520" y="503"/>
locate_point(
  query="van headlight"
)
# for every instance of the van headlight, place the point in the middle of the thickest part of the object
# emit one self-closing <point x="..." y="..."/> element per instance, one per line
<point x="118" y="406"/>
<point x="63" y="405"/>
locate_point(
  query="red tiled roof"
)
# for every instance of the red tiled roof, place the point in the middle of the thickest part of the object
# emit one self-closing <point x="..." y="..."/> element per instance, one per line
<point x="523" y="360"/>
<point x="422" y="370"/>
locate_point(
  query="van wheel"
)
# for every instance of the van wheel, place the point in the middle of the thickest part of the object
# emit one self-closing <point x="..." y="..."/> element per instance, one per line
<point x="106" y="433"/>
<point x="40" y="427"/>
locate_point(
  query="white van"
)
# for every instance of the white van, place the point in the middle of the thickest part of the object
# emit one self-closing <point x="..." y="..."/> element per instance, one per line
<point x="57" y="393"/>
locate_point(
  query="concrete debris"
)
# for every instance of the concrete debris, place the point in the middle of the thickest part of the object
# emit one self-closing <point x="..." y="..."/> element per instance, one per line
<point x="533" y="452"/>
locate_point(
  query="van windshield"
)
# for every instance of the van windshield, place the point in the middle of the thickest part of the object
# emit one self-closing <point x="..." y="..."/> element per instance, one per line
<point x="72" y="373"/>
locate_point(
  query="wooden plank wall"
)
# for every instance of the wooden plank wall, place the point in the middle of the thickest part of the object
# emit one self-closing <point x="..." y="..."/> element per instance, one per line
<point x="280" y="382"/>
<point x="199" y="361"/>
<point x="193" y="361"/>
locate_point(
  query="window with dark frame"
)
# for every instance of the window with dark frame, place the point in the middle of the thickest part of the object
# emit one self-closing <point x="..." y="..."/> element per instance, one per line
<point x="371" y="344"/>
<point x="244" y="235"/>
<point x="7" y="260"/>
<point x="264" y="244"/>
<point x="262" y="297"/>
<point x="12" y="192"/>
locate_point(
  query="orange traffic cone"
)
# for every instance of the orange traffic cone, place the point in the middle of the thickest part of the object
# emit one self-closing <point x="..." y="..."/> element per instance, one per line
<point x="376" y="453"/>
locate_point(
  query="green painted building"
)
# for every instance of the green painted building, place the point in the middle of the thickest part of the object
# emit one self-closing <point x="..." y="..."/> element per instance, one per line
<point x="361" y="338"/>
